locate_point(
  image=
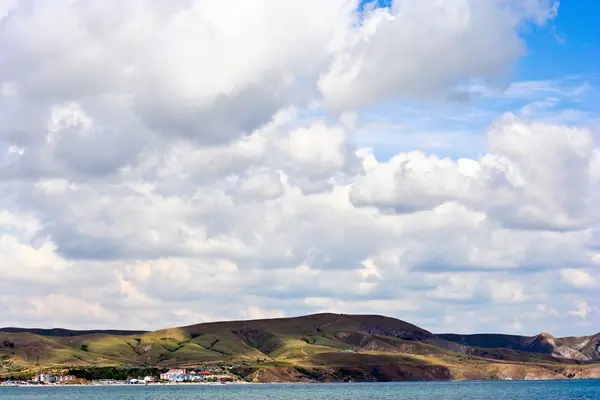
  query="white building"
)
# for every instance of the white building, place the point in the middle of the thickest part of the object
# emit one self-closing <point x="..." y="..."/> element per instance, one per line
<point x="178" y="374"/>
<point x="44" y="377"/>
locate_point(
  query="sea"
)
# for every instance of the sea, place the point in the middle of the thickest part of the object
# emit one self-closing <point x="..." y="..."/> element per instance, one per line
<point x="473" y="390"/>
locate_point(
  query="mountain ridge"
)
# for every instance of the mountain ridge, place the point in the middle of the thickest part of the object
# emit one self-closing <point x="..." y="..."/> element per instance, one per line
<point x="582" y="348"/>
<point x="71" y="332"/>
<point x="324" y="345"/>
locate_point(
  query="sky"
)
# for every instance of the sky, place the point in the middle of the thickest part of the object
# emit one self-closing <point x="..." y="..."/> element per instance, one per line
<point x="170" y="163"/>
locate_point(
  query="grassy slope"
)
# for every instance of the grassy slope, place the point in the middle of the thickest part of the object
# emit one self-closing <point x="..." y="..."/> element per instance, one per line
<point x="305" y="348"/>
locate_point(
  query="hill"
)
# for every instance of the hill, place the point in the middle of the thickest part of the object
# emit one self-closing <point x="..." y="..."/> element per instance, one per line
<point x="574" y="348"/>
<point x="319" y="347"/>
<point x="68" y="332"/>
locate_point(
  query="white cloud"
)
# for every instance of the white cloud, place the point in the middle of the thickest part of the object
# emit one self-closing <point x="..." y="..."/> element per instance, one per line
<point x="456" y="287"/>
<point x="259" y="313"/>
<point x="6" y="6"/>
<point x="534" y="108"/>
<point x="509" y="183"/>
<point x="199" y="69"/>
<point x="414" y="181"/>
<point x="457" y="39"/>
<point x="172" y="155"/>
<point x="69" y="307"/>
<point x="259" y="185"/>
<point x="582" y="309"/>
<point x="510" y="292"/>
<point x="578" y="278"/>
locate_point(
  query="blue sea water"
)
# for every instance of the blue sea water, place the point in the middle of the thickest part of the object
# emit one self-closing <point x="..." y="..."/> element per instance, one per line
<point x="488" y="390"/>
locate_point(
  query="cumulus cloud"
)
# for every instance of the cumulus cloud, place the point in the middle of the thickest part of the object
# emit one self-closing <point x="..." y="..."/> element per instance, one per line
<point x="158" y="157"/>
<point x="519" y="183"/>
<point x="199" y="70"/>
<point x="457" y="39"/>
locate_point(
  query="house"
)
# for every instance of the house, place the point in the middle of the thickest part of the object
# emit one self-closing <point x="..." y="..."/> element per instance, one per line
<point x="182" y="374"/>
<point x="202" y="375"/>
<point x="176" y="375"/>
<point x="63" y="378"/>
<point x="149" y="379"/>
<point x="194" y="376"/>
<point x="44" y="377"/>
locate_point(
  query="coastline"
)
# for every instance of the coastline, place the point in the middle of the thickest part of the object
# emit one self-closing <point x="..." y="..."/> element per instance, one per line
<point x="180" y="384"/>
<point x="137" y="385"/>
<point x="121" y="385"/>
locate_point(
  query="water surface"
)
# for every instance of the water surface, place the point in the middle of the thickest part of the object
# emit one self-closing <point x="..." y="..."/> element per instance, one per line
<point x="485" y="390"/>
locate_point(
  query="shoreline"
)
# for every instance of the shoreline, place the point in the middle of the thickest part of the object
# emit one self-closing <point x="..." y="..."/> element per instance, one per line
<point x="295" y="383"/>
<point x="131" y="384"/>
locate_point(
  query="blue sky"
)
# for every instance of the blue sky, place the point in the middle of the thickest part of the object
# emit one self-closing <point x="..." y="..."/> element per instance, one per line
<point x="569" y="45"/>
<point x="560" y="72"/>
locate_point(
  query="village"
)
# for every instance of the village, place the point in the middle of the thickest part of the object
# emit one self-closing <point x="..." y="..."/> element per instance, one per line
<point x="172" y="376"/>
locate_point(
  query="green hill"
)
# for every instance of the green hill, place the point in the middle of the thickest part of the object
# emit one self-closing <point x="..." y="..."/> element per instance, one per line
<point x="321" y="347"/>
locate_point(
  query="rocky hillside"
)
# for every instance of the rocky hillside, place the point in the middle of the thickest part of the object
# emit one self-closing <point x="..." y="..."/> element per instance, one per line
<point x="589" y="346"/>
<point x="584" y="348"/>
